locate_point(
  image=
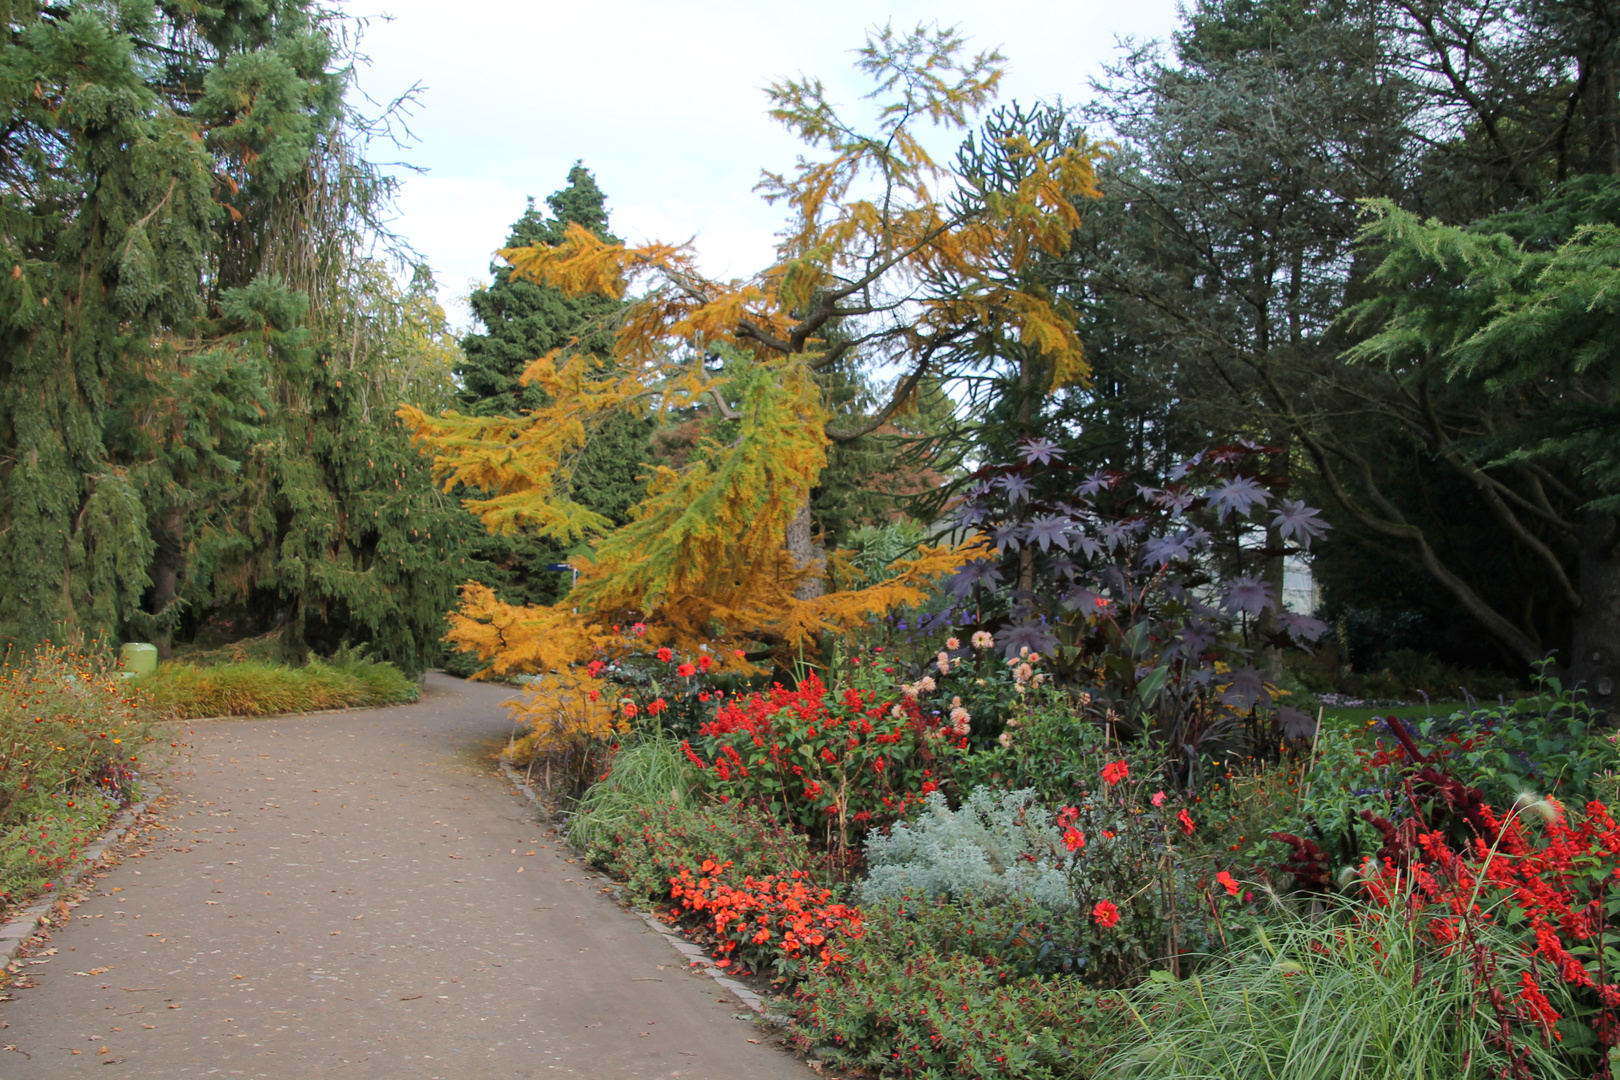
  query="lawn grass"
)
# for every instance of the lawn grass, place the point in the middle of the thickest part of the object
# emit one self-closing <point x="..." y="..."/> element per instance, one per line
<point x="256" y="688"/>
<point x="1347" y="718"/>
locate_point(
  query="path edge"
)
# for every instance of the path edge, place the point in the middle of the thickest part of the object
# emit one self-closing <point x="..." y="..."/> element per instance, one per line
<point x="20" y="927"/>
<point x="697" y="959"/>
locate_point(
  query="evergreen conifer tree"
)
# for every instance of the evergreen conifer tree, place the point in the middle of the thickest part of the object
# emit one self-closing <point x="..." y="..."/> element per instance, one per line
<point x="522" y="321"/>
<point x="197" y="365"/>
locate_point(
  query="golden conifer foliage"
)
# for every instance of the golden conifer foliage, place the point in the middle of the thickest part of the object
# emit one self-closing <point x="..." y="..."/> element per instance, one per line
<point x="906" y="277"/>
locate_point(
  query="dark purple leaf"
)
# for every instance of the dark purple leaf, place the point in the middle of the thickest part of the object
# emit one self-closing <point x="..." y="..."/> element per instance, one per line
<point x="1164" y="549"/>
<point x="1016" y="486"/>
<point x="1186" y="467"/>
<point x="1247" y="689"/>
<point x="1085" y="601"/>
<point x="1101" y="480"/>
<point x="978" y="572"/>
<point x="1295" y="519"/>
<point x="1049" y="529"/>
<point x="1007" y="537"/>
<point x="1296" y="726"/>
<point x="1240" y="494"/>
<point x="1034" y="636"/>
<point x="969" y="515"/>
<point x="1249" y="595"/>
<point x="1175" y="500"/>
<point x="1301" y="627"/>
<point x="1040" y="450"/>
<point x="1197" y="635"/>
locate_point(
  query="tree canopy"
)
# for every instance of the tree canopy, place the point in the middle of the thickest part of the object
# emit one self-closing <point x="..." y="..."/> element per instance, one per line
<point x="921" y="269"/>
<point x="198" y="361"/>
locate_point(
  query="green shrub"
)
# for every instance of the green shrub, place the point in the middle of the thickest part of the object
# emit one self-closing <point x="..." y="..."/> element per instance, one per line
<point x="1353" y="996"/>
<point x="252" y="688"/>
<point x="949" y="989"/>
<point x="1050" y="746"/>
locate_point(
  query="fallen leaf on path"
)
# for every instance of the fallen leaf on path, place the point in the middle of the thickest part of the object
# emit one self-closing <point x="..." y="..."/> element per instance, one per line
<point x="13" y="1049"/>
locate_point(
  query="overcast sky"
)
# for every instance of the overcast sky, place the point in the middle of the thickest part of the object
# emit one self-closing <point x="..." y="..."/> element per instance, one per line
<point x="663" y="102"/>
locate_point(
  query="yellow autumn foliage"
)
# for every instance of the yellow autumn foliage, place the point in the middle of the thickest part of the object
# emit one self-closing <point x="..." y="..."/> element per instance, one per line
<point x="907" y="277"/>
<point x="564" y="711"/>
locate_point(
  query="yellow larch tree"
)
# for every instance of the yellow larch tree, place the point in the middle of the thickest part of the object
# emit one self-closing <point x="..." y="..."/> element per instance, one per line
<point x="889" y="261"/>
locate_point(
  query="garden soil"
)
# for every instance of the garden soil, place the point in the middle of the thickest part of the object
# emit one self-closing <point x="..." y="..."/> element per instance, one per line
<point x="360" y="895"/>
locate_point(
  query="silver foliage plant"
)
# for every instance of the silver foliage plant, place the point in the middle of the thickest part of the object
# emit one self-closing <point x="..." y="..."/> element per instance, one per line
<point x="996" y="847"/>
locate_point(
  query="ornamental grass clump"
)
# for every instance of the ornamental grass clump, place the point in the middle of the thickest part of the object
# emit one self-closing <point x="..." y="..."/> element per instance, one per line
<point x="648" y="772"/>
<point x="252" y="688"/>
<point x="1362" y="993"/>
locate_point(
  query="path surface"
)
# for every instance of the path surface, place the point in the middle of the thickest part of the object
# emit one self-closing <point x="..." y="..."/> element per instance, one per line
<point x="358" y="895"/>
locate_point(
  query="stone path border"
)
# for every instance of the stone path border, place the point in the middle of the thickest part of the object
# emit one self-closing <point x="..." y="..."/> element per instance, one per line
<point x="698" y="960"/>
<point x="20" y="927"/>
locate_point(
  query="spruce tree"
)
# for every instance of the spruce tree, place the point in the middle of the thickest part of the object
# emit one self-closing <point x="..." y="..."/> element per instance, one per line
<point x="523" y="321"/>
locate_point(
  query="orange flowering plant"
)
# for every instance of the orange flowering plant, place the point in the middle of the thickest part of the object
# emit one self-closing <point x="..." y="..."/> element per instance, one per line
<point x="779" y="921"/>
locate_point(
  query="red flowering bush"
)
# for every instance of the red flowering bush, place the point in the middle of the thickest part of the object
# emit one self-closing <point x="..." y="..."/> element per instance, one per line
<point x="1556" y="885"/>
<point x="833" y="765"/>
<point x="765" y="922"/>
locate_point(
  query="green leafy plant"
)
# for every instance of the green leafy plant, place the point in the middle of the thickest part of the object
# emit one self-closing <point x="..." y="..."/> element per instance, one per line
<point x="72" y="738"/>
<point x="940" y="988"/>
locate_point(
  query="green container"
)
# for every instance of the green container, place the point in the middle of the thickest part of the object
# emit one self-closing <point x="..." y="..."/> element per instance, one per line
<point x="138" y="658"/>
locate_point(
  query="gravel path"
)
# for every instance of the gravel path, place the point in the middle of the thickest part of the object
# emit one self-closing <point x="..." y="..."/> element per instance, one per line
<point x="359" y="895"/>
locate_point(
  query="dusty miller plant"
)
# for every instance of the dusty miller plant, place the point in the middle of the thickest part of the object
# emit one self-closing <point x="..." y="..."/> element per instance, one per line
<point x="995" y="847"/>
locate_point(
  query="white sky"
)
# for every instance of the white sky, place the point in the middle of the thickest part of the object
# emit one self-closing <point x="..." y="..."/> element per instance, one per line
<point x="663" y="102"/>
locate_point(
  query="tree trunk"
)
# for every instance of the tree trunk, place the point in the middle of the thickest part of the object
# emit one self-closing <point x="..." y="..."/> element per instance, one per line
<point x="802" y="546"/>
<point x="166" y="564"/>
<point x="1595" y="660"/>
